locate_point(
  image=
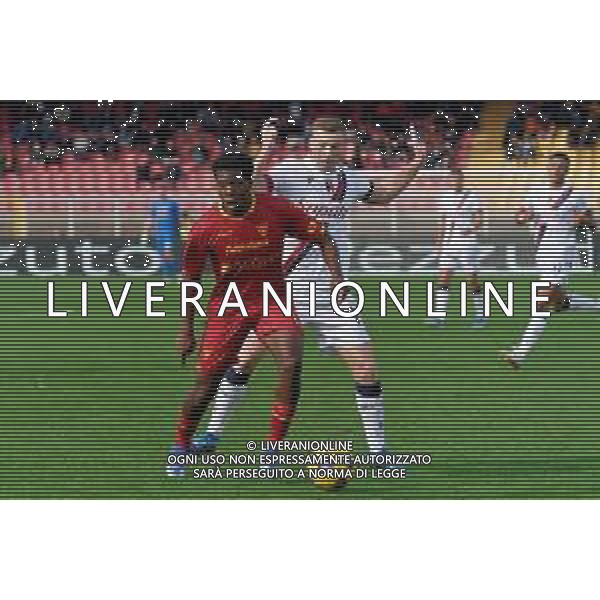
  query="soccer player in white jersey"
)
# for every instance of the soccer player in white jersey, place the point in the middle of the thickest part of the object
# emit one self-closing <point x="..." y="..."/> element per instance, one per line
<point x="555" y="209"/>
<point x="459" y="232"/>
<point x="328" y="192"/>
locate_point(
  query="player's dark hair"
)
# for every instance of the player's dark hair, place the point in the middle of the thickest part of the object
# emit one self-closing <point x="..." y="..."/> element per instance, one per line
<point x="561" y="156"/>
<point x="234" y="161"/>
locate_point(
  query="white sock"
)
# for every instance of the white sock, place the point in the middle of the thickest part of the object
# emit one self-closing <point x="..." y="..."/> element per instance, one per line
<point x="232" y="392"/>
<point x="583" y="303"/>
<point x="531" y="335"/>
<point x="369" y="401"/>
<point x="478" y="304"/>
<point x="440" y="301"/>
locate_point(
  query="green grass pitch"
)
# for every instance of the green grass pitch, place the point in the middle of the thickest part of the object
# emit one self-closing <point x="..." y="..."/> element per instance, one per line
<point x="88" y="404"/>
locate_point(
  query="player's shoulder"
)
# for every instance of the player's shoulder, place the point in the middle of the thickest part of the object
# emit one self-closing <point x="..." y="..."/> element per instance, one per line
<point x="206" y="219"/>
<point x="290" y="167"/>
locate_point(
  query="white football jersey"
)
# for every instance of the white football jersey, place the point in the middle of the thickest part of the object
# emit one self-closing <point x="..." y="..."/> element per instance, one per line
<point x="459" y="210"/>
<point x="554" y="211"/>
<point x="327" y="197"/>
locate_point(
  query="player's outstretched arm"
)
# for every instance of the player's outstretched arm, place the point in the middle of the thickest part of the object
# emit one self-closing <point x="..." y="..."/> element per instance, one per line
<point x="390" y="183"/>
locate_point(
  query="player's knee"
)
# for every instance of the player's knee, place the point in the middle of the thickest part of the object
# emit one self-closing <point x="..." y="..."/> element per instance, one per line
<point x="557" y="300"/>
<point x="361" y="365"/>
<point x="282" y="411"/>
<point x="290" y="355"/>
<point x="250" y="355"/>
<point x="202" y="376"/>
<point x="367" y="373"/>
<point x="289" y="362"/>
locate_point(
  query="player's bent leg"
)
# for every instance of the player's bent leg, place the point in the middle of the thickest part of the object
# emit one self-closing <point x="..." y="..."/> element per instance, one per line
<point x="193" y="409"/>
<point x="557" y="301"/>
<point x="560" y="300"/>
<point x="534" y="330"/>
<point x="285" y="345"/>
<point x="232" y="392"/>
<point x="222" y="340"/>
<point x="516" y="355"/>
<point x="368" y="392"/>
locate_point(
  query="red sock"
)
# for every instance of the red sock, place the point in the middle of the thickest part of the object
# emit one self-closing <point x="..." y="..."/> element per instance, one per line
<point x="287" y="395"/>
<point x="184" y="433"/>
<point x="281" y="419"/>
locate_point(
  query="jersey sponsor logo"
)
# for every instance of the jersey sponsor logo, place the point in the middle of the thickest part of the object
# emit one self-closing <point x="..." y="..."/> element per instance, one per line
<point x="335" y="207"/>
<point x="339" y="191"/>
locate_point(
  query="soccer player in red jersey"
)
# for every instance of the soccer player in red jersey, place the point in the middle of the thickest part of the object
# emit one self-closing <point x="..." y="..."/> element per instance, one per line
<point x="242" y="235"/>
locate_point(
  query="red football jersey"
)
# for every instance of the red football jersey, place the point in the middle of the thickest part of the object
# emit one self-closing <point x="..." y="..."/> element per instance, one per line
<point x="247" y="250"/>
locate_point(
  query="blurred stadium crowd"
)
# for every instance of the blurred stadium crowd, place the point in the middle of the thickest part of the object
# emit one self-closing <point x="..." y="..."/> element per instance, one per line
<point x="190" y="133"/>
<point x="69" y="167"/>
<point x="533" y="123"/>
